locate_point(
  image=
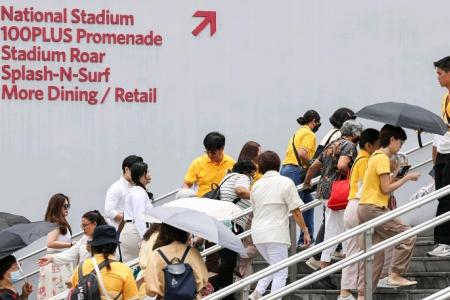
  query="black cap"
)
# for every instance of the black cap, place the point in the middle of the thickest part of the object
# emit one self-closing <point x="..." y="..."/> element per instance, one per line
<point x="104" y="234"/>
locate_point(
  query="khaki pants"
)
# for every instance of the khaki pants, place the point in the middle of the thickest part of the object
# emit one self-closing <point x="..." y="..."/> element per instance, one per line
<point x="402" y="252"/>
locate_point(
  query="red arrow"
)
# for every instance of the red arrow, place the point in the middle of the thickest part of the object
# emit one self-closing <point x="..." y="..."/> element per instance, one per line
<point x="209" y="18"/>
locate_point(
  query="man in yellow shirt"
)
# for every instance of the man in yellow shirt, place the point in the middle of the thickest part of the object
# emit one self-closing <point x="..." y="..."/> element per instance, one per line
<point x="373" y="203"/>
<point x="211" y="167"/>
<point x="441" y="160"/>
<point x="117" y="277"/>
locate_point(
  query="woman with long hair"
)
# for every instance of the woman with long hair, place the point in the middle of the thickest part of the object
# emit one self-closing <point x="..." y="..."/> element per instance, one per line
<point x="250" y="151"/>
<point x="172" y="242"/>
<point x="137" y="201"/>
<point x="79" y="251"/>
<point x="53" y="277"/>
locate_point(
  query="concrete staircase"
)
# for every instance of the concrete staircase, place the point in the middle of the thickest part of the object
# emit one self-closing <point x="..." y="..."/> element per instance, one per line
<point x="432" y="274"/>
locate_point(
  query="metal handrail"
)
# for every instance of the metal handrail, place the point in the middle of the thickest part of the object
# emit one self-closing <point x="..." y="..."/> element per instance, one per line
<point x="326" y="244"/>
<point x="81" y="232"/>
<point x="204" y="253"/>
<point x="247" y="233"/>
<point x="244" y="213"/>
<point x="360" y="255"/>
<point x="441" y="295"/>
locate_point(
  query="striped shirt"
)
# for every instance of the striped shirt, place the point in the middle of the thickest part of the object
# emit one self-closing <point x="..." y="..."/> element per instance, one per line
<point x="228" y="193"/>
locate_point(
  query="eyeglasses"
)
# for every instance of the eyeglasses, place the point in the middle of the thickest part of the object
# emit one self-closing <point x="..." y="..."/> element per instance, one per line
<point x="83" y="226"/>
<point x="66" y="206"/>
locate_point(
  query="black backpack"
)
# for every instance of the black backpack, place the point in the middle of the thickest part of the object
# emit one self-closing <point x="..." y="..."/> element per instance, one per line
<point x="88" y="287"/>
<point x="214" y="193"/>
<point x="179" y="278"/>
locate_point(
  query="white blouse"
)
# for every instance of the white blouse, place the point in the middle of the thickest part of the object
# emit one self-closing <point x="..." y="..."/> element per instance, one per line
<point x="273" y="197"/>
<point x="75" y="254"/>
<point x="136" y="205"/>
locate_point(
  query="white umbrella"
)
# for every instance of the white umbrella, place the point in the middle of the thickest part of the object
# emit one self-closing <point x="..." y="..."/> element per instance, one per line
<point x="199" y="224"/>
<point x="221" y="210"/>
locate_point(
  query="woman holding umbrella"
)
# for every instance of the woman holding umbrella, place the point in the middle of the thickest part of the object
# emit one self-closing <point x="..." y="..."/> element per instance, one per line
<point x="9" y="268"/>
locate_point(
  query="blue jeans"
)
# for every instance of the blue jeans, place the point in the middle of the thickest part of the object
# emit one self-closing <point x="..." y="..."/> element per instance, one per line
<point x="294" y="173"/>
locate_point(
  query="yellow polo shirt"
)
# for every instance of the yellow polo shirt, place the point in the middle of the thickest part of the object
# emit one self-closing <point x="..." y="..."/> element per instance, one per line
<point x="445" y="110"/>
<point x="119" y="278"/>
<point x="358" y="171"/>
<point x="304" y="138"/>
<point x="371" y="192"/>
<point x="204" y="172"/>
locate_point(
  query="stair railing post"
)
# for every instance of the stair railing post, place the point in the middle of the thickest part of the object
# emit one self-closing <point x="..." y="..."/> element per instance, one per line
<point x="244" y="293"/>
<point x="368" y="265"/>
<point x="293" y="248"/>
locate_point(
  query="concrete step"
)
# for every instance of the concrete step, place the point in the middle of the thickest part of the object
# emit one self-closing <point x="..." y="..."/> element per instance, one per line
<point x="426" y="280"/>
<point x="320" y="294"/>
<point x="418" y="264"/>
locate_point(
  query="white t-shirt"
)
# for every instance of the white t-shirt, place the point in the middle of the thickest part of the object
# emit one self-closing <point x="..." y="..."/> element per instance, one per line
<point x="115" y="200"/>
<point x="442" y="143"/>
<point x="273" y="197"/>
<point x="228" y="192"/>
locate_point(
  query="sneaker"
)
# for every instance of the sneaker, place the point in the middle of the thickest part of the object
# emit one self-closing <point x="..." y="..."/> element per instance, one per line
<point x="349" y="297"/>
<point x="383" y="283"/>
<point x="255" y="295"/>
<point x="441" y="250"/>
<point x="313" y="263"/>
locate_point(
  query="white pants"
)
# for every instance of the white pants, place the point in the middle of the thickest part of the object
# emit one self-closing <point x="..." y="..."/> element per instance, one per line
<point x="334" y="225"/>
<point x="273" y="253"/>
<point x="349" y="280"/>
<point x="130" y="242"/>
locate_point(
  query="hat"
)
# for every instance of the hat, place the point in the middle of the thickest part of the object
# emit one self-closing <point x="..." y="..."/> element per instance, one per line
<point x="104" y="234"/>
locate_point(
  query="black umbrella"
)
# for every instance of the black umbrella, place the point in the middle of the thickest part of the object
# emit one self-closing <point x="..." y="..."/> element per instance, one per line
<point x="405" y="115"/>
<point x="18" y="236"/>
<point x="8" y="220"/>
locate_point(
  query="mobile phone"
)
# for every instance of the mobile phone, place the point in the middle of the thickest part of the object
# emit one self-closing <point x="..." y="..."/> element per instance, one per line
<point x="403" y="170"/>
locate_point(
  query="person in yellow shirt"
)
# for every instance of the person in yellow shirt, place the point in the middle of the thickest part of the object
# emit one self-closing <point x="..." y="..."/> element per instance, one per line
<point x="174" y="244"/>
<point x="211" y="167"/>
<point x="300" y="150"/>
<point x="368" y="143"/>
<point x="441" y="160"/>
<point x="377" y="185"/>
<point x="117" y="277"/>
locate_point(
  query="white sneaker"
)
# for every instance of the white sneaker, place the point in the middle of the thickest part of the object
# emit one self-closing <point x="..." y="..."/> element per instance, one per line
<point x="441" y="250"/>
<point x="349" y="297"/>
<point x="313" y="263"/>
<point x="383" y="283"/>
<point x="255" y="295"/>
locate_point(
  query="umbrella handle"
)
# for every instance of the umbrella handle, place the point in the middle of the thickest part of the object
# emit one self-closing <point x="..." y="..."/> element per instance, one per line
<point x="419" y="137"/>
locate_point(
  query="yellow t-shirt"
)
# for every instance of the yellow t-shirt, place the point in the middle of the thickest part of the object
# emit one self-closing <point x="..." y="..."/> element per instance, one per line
<point x="358" y="171"/>
<point x="204" y="172"/>
<point x="371" y="192"/>
<point x="119" y="278"/>
<point x="445" y="110"/>
<point x="304" y="139"/>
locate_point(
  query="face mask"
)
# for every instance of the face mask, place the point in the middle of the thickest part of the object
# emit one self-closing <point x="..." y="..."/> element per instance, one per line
<point x="316" y="128"/>
<point x="15" y="276"/>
